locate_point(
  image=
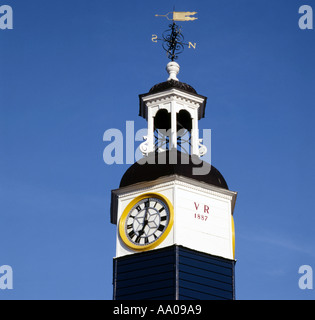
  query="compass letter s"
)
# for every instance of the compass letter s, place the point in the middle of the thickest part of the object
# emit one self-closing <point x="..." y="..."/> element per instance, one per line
<point x="154" y="38"/>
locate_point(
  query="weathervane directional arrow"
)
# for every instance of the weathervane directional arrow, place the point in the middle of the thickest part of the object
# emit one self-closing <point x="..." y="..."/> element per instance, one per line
<point x="173" y="39"/>
<point x="179" y="16"/>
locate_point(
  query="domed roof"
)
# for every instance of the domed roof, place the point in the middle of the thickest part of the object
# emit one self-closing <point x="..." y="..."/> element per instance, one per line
<point x="151" y="168"/>
<point x="172" y="84"/>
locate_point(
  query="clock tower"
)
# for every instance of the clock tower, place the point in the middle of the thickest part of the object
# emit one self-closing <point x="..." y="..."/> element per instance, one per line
<point x="174" y="212"/>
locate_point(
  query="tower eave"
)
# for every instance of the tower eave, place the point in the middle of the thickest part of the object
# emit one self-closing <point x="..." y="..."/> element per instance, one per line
<point x="173" y="178"/>
<point x="193" y="97"/>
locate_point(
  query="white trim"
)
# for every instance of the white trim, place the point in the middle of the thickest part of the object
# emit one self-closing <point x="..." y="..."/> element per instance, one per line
<point x="170" y="95"/>
<point x="172" y="180"/>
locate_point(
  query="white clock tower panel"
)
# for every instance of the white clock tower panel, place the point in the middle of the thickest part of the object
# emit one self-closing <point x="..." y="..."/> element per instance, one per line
<point x="201" y="217"/>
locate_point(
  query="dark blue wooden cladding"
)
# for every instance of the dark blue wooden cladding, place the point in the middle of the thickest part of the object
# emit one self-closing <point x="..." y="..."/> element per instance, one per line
<point x="147" y="265"/>
<point x="173" y="273"/>
<point x="145" y="276"/>
<point x="146" y="256"/>
<point x="203" y="276"/>
<point x="209" y="282"/>
<point x="197" y="295"/>
<point x="141" y="273"/>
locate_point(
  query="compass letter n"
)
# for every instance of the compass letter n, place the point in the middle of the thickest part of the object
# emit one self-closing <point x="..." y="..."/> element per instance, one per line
<point x="192" y="45"/>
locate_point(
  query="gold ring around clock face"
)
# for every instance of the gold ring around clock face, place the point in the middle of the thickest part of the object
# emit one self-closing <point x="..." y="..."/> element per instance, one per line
<point x="146" y="221"/>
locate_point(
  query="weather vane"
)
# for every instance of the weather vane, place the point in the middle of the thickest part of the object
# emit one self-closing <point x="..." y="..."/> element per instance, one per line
<point x="173" y="39"/>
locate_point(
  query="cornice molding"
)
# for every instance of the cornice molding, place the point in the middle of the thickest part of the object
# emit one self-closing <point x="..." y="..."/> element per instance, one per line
<point x="171" y="95"/>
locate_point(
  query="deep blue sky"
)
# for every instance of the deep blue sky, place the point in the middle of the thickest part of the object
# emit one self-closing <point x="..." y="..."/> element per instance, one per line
<point x="69" y="70"/>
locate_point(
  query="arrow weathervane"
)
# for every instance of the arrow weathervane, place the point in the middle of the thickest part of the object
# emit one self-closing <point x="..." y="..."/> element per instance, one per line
<point x="173" y="39"/>
<point x="179" y="16"/>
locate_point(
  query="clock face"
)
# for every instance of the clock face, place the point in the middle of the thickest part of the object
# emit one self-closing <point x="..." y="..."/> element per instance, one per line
<point x="145" y="222"/>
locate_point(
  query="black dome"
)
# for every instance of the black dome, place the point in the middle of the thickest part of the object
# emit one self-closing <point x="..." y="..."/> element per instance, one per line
<point x="172" y="84"/>
<point x="152" y="170"/>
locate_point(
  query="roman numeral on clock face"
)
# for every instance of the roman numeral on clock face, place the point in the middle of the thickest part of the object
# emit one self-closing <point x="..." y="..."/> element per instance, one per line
<point x="146" y="221"/>
<point x="131" y="234"/>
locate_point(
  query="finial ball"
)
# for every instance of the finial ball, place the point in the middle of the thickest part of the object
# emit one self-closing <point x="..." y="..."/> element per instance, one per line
<point x="172" y="68"/>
